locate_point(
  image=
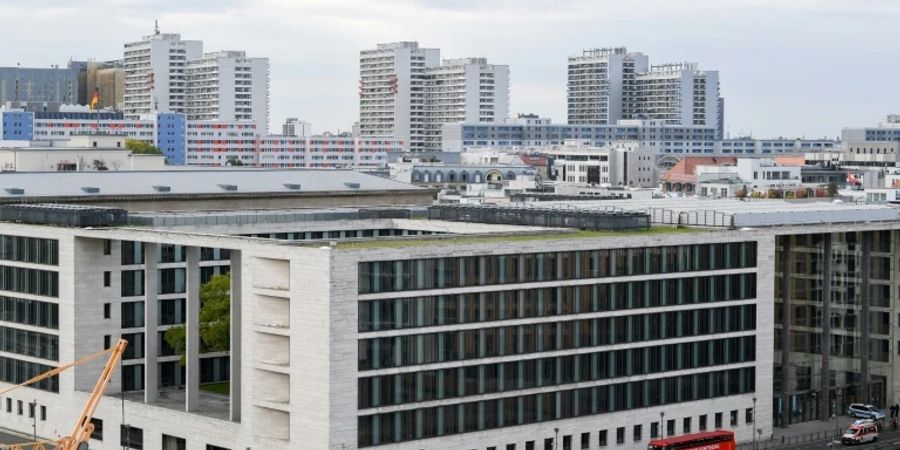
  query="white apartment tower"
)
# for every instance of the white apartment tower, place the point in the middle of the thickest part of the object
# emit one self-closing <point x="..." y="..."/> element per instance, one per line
<point x="464" y="90"/>
<point x="679" y="94"/>
<point x="228" y="86"/>
<point x="392" y="91"/>
<point x="602" y="86"/>
<point x="154" y="73"/>
<point x="295" y="127"/>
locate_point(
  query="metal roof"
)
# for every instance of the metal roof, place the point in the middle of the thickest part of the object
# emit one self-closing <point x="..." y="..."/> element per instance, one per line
<point x="190" y="182"/>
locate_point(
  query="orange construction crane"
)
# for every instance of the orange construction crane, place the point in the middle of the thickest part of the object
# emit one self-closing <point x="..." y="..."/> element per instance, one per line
<point x="78" y="439"/>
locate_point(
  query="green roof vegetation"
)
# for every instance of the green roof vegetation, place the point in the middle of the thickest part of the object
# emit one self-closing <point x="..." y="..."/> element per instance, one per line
<point x="563" y="233"/>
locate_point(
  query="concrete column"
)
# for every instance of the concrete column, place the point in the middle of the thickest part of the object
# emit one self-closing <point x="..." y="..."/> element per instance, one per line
<point x="865" y="297"/>
<point x="826" y="328"/>
<point x="786" y="269"/>
<point x="235" y="338"/>
<point x="151" y="371"/>
<point x="192" y="330"/>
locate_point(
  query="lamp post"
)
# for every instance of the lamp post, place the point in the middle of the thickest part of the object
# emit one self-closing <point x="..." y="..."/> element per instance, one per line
<point x="754" y="422"/>
<point x="556" y="438"/>
<point x="33" y="411"/>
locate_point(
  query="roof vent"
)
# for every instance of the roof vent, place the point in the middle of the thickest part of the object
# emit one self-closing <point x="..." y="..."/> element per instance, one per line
<point x="228" y="187"/>
<point x="352" y="185"/>
<point x="90" y="189"/>
<point x="292" y="186"/>
<point x="162" y="188"/>
<point x="14" y="191"/>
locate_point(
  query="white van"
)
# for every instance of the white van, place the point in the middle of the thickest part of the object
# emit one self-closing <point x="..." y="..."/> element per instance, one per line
<point x="860" y="432"/>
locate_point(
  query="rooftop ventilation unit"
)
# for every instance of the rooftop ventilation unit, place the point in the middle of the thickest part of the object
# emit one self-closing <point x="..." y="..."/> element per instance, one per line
<point x="228" y="187"/>
<point x="14" y="191"/>
<point x="292" y="186"/>
<point x="352" y="185"/>
<point x="90" y="189"/>
<point x="162" y="188"/>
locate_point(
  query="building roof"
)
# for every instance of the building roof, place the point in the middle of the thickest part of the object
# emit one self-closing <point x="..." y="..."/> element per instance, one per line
<point x="684" y="170"/>
<point x="191" y="182"/>
<point x="790" y="161"/>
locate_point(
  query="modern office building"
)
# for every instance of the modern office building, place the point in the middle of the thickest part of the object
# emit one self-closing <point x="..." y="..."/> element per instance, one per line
<point x="107" y="78"/>
<point x="155" y="73"/>
<point x="227" y="86"/>
<point x="679" y="94"/>
<point x="620" y="164"/>
<point x="602" y="85"/>
<point x="889" y="130"/>
<point x="407" y="92"/>
<point x="29" y="84"/>
<point x="464" y="90"/>
<point x="527" y="132"/>
<point x="392" y="91"/>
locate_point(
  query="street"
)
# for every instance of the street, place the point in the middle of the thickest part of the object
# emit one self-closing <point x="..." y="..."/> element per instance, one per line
<point x="887" y="440"/>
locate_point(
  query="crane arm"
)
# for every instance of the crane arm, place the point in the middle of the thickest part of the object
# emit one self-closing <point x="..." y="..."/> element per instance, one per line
<point x="84" y="427"/>
<point x="58" y="370"/>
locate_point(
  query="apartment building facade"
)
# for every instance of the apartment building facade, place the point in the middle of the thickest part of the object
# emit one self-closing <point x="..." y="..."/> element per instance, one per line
<point x="30" y="84"/>
<point x="602" y="86"/>
<point x="679" y="94"/>
<point x="228" y="86"/>
<point x="155" y="73"/>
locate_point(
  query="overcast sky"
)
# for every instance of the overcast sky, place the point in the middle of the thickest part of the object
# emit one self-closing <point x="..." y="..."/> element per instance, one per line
<point x="787" y="67"/>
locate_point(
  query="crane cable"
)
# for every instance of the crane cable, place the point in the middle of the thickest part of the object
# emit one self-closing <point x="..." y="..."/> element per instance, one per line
<point x="58" y="370"/>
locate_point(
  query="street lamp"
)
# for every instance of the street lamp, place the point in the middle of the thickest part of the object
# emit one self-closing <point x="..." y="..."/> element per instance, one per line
<point x="556" y="438"/>
<point x="754" y="422"/>
<point x="33" y="406"/>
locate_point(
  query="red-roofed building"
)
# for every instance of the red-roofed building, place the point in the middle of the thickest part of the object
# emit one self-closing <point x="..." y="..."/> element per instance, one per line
<point x="682" y="177"/>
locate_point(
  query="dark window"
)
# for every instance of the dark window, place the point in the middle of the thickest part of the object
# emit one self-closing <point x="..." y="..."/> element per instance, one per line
<point x="173" y="443"/>
<point x="585" y="440"/>
<point x="748" y="415"/>
<point x="601" y="438"/>
<point x="734" y="417"/>
<point x="107" y="250"/>
<point x="107" y="278"/>
<point x="638" y="431"/>
<point x="620" y="435"/>
<point x="686" y="426"/>
<point x="43" y="413"/>
<point x="97" y="434"/>
<point x="131" y="437"/>
<point x="107" y="311"/>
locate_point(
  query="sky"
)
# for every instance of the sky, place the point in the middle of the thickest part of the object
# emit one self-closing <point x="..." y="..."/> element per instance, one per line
<point x="793" y="68"/>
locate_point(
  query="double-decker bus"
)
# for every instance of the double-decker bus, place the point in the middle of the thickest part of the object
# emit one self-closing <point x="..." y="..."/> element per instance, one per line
<point x="709" y="440"/>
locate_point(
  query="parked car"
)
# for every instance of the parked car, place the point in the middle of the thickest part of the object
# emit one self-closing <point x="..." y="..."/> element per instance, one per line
<point x="860" y="432"/>
<point x="861" y="411"/>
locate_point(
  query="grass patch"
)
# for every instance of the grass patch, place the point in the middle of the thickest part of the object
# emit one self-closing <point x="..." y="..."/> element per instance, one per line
<point x="483" y="238"/>
<point x="223" y="388"/>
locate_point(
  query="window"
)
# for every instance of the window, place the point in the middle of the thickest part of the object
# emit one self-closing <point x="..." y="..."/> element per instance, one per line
<point x="31" y="407"/>
<point x="719" y="420"/>
<point x="173" y="443"/>
<point x="601" y="438"/>
<point x="213" y="447"/>
<point x="703" y="422"/>
<point x="686" y="425"/>
<point x="131" y="437"/>
<point x="21" y="407"/>
<point x="107" y="311"/>
<point x="529" y="445"/>
<point x="107" y="276"/>
<point x="654" y="430"/>
<point x="637" y="433"/>
<point x="510" y="446"/>
<point x="9" y="405"/>
<point x="548" y="444"/>
<point x="43" y="413"/>
<point x="748" y="415"/>
<point x="107" y="250"/>
<point x="670" y="427"/>
<point x="106" y="341"/>
<point x="620" y="435"/>
<point x="567" y="442"/>
<point x="97" y="434"/>
<point x="585" y="440"/>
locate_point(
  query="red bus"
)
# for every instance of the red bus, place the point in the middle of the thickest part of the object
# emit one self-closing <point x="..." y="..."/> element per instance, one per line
<point x="709" y="440"/>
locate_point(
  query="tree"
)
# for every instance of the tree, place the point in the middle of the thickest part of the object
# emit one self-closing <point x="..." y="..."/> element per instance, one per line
<point x="741" y="193"/>
<point x="139" y="147"/>
<point x="832" y="189"/>
<point x="99" y="164"/>
<point x="233" y="161"/>
<point x="215" y="319"/>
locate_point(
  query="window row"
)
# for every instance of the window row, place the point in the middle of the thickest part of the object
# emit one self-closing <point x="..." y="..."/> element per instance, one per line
<point x="515" y="375"/>
<point x="29" y="343"/>
<point x="133" y="253"/>
<point x="399" y="351"/>
<point x="29" y="249"/>
<point x="14" y="371"/>
<point x="29" y="312"/>
<point x="435" y="273"/>
<point x="424" y="423"/>
<point x="376" y="315"/>
<point x="29" y="281"/>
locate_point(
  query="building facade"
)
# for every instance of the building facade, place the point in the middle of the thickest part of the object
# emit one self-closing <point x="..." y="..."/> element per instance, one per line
<point x="295" y="127"/>
<point x="55" y="84"/>
<point x="155" y="73"/>
<point x="620" y="164"/>
<point x="464" y="90"/>
<point x="602" y="86"/>
<point x="107" y="78"/>
<point x="228" y="86"/>
<point x="679" y="94"/>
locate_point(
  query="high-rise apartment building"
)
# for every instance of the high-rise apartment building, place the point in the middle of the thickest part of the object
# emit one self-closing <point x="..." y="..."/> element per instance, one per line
<point x="678" y="94"/>
<point x="155" y="73"/>
<point x="26" y="84"/>
<point x="464" y="90"/>
<point x="295" y="127"/>
<point x="602" y="87"/>
<point x="392" y="91"/>
<point x="227" y="86"/>
<point x="611" y="84"/>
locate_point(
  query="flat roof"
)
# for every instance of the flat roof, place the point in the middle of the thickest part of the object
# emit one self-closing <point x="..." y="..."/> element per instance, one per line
<point x="192" y="182"/>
